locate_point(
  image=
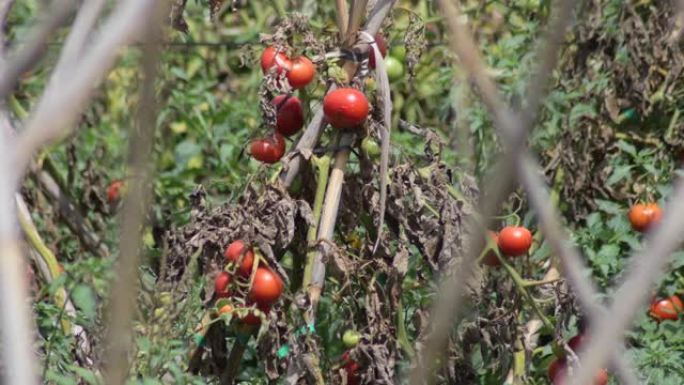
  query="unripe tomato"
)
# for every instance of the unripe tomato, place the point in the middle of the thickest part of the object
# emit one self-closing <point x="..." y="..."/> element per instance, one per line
<point x="351" y="338"/>
<point x="268" y="150"/>
<point x="558" y="369"/>
<point x="266" y="287"/>
<point x="271" y="58"/>
<point x="643" y="216"/>
<point x="114" y="191"/>
<point x="290" y="116"/>
<point x="668" y="308"/>
<point x="370" y="147"/>
<point x="382" y="46"/>
<point x="514" y="241"/>
<point x="345" y="108"/>
<point x="399" y="52"/>
<point x="491" y="259"/>
<point x="395" y="70"/>
<point x="301" y="72"/>
<point x="235" y="251"/>
<point x="221" y="283"/>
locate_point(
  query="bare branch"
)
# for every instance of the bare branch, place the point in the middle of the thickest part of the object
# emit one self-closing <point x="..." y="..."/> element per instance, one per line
<point x="80" y="31"/>
<point x="124" y="290"/>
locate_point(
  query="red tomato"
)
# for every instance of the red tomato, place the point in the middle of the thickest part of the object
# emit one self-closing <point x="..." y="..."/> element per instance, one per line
<point x="382" y="46"/>
<point x="221" y="285"/>
<point x="235" y="251"/>
<point x="266" y="287"/>
<point x="577" y="341"/>
<point x="491" y="259"/>
<point x="301" y="72"/>
<point x="559" y="368"/>
<point x="270" y="58"/>
<point x="114" y="191"/>
<point x="514" y="241"/>
<point x="290" y="116"/>
<point x="345" y="108"/>
<point x="668" y="308"/>
<point x="643" y="216"/>
<point x="268" y="150"/>
<point x="352" y="368"/>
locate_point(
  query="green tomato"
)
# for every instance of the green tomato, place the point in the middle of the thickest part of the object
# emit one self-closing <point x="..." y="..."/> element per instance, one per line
<point x="370" y="147"/>
<point x="351" y="338"/>
<point x="395" y="70"/>
<point x="399" y="52"/>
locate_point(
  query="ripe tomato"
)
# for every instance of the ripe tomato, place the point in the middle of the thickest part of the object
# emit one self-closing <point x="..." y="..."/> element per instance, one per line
<point x="382" y="46"/>
<point x="577" y="341"/>
<point x="235" y="251"/>
<point x="266" y="287"/>
<point x="271" y="58"/>
<point x="643" y="216"/>
<point x="221" y="285"/>
<point x="345" y="108"/>
<point x="668" y="308"/>
<point x="514" y="241"/>
<point x="268" y="150"/>
<point x="351" y="367"/>
<point x="290" y="116"/>
<point x="491" y="258"/>
<point x="559" y="367"/>
<point x="301" y="72"/>
<point x="114" y="191"/>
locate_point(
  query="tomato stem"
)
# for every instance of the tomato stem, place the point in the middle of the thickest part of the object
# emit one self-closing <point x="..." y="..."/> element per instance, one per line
<point x="322" y="165"/>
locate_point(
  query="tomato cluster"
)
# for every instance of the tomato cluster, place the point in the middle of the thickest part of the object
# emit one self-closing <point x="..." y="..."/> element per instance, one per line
<point x="512" y="241"/>
<point x="299" y="72"/>
<point x="266" y="287"/>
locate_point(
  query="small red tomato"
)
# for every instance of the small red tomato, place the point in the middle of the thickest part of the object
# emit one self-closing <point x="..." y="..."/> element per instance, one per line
<point x="114" y="191"/>
<point x="382" y="46"/>
<point x="290" y="116"/>
<point x="577" y="341"/>
<point x="514" y="241"/>
<point x="558" y="369"/>
<point x="345" y="108"/>
<point x="351" y="367"/>
<point x="271" y="58"/>
<point x="643" y="216"/>
<point x="301" y="72"/>
<point x="221" y="285"/>
<point x="268" y="150"/>
<point x="235" y="251"/>
<point x="266" y="287"/>
<point x="491" y="259"/>
<point x="668" y="308"/>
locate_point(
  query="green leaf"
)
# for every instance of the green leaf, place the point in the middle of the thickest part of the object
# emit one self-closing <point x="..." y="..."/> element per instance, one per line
<point x="84" y="298"/>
